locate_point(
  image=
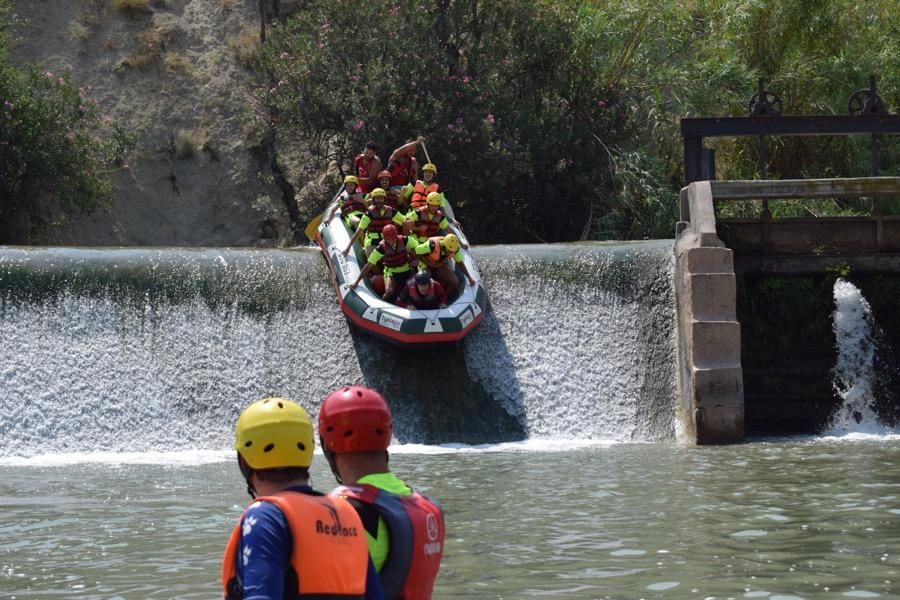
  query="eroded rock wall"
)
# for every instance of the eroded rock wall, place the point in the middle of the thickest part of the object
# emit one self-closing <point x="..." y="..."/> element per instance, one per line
<point x="176" y="76"/>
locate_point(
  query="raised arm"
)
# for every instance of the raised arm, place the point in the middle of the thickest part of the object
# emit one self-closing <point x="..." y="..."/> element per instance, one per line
<point x="407" y="149"/>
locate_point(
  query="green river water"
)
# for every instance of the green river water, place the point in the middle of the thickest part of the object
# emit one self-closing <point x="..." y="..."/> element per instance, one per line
<point x="810" y="518"/>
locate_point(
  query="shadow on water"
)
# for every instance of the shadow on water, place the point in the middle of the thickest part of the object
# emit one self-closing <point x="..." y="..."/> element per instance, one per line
<point x="432" y="396"/>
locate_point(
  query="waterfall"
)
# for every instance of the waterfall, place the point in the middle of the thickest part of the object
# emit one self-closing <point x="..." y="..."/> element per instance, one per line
<point x="853" y="375"/>
<point x="145" y="350"/>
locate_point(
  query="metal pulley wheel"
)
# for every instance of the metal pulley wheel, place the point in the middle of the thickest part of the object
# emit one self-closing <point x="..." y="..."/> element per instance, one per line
<point x="865" y="102"/>
<point x="767" y="105"/>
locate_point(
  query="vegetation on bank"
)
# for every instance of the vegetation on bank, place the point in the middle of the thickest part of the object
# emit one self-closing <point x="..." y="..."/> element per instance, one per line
<point x="558" y="119"/>
<point x="56" y="152"/>
<point x="551" y="120"/>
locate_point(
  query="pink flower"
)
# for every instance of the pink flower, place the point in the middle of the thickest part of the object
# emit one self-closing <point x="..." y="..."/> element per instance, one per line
<point x="8" y="105"/>
<point x="395" y="10"/>
<point x="47" y="74"/>
<point x="359" y="125"/>
<point x="284" y="55"/>
<point x="466" y="79"/>
<point x="491" y="119"/>
<point x="70" y="138"/>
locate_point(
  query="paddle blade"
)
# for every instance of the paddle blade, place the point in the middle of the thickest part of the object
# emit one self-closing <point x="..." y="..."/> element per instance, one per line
<point x="313" y="227"/>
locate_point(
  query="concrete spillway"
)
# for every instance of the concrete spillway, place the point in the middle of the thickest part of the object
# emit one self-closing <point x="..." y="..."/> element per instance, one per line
<point x="159" y="349"/>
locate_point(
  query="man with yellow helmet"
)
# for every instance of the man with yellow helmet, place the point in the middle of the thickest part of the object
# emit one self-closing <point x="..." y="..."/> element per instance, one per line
<point x="291" y="541"/>
<point x="372" y="223"/>
<point x="429" y="220"/>
<point x="435" y="253"/>
<point x="351" y="202"/>
<point x="418" y="192"/>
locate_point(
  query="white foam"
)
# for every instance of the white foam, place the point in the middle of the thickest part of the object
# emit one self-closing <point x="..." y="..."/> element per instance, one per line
<point x="854" y="370"/>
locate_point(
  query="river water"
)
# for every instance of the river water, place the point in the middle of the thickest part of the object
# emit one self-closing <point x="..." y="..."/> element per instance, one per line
<point x="797" y="518"/>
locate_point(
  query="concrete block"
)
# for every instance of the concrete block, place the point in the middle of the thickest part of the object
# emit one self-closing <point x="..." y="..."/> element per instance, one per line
<point x="708" y="260"/>
<point x="712" y="296"/>
<point x="719" y="405"/>
<point x="716" y="344"/>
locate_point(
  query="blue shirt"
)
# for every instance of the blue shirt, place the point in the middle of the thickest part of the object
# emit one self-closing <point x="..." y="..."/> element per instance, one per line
<point x="265" y="553"/>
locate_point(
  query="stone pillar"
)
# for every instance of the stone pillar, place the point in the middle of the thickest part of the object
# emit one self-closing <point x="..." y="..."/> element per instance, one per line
<point x="711" y="378"/>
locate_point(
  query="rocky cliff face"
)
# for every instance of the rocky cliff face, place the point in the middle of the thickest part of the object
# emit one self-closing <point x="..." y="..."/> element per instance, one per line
<point x="173" y="73"/>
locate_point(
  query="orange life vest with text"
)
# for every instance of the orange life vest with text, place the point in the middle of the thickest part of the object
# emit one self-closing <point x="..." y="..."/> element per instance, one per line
<point x="330" y="555"/>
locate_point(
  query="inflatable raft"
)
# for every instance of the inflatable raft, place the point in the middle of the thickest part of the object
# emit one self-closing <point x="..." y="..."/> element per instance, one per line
<point x="366" y="309"/>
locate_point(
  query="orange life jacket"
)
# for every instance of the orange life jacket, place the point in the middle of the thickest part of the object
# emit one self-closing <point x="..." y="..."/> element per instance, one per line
<point x="438" y="254"/>
<point x="421" y="191"/>
<point x="330" y="555"/>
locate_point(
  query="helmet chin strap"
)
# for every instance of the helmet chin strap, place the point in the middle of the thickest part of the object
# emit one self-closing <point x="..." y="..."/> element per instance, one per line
<point x="246" y="471"/>
<point x="330" y="457"/>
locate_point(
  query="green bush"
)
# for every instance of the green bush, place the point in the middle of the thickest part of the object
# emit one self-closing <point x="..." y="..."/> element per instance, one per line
<point x="559" y="119"/>
<point x="55" y="150"/>
<point x="509" y="115"/>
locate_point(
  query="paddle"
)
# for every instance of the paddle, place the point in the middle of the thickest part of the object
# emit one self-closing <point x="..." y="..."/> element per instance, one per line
<point x="313" y="227"/>
<point x="428" y="158"/>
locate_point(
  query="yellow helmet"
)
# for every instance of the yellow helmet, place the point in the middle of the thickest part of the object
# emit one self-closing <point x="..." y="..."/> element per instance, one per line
<point x="378" y="192"/>
<point x="430" y="167"/>
<point x="451" y="243"/>
<point x="434" y="199"/>
<point x="273" y="433"/>
<point x="351" y="179"/>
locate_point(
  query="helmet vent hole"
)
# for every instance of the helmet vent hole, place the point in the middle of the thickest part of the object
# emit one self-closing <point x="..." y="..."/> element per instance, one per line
<point x="379" y="432"/>
<point x="359" y="393"/>
<point x="268" y="448"/>
<point x="266" y="401"/>
<point x="348" y="433"/>
<point x="330" y="428"/>
<point x="301" y="446"/>
<point x="280" y="405"/>
<point x="248" y="443"/>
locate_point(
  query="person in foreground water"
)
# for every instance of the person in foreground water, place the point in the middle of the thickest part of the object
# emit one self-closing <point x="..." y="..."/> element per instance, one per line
<point x="404" y="529"/>
<point x="292" y="541"/>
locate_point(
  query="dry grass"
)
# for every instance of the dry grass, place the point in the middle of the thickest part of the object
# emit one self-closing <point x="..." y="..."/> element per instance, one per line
<point x="189" y="142"/>
<point x="178" y="63"/>
<point x="132" y="8"/>
<point x="150" y="45"/>
<point x="92" y="12"/>
<point x="77" y="32"/>
<point x="244" y="45"/>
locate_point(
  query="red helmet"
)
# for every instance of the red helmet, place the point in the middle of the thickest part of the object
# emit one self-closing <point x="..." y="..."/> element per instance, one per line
<point x="354" y="419"/>
<point x="389" y="232"/>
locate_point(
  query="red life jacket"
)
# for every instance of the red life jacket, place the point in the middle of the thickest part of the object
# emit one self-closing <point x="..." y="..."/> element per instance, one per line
<point x="333" y="558"/>
<point x="402" y="174"/>
<point x="429" y="221"/>
<point x="363" y="168"/>
<point x="394" y="257"/>
<point x="392" y="197"/>
<point x="378" y="221"/>
<point x="431" y="300"/>
<point x="353" y="202"/>
<point x="421" y="191"/>
<point x="416" y="527"/>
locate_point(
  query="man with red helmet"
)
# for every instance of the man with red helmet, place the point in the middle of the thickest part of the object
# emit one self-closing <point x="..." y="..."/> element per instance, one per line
<point x="405" y="529"/>
<point x="394" y="255"/>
